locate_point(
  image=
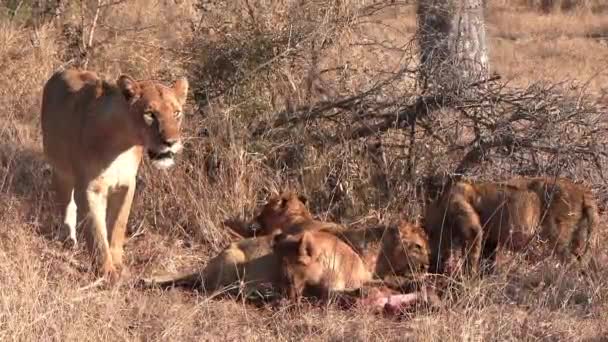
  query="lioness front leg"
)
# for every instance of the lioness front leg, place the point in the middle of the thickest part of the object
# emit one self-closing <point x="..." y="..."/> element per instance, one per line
<point x="91" y="205"/>
<point x="119" y="206"/>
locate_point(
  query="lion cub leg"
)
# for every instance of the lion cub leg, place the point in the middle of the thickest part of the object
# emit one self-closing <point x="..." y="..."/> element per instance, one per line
<point x="91" y="202"/>
<point x="66" y="206"/>
<point x="119" y="206"/>
<point x="469" y="226"/>
<point x="557" y="237"/>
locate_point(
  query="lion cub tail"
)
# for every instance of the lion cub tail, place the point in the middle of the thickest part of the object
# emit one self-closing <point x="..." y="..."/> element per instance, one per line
<point x="188" y="280"/>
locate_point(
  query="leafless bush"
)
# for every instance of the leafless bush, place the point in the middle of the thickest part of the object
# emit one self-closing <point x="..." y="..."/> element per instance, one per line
<point x="357" y="151"/>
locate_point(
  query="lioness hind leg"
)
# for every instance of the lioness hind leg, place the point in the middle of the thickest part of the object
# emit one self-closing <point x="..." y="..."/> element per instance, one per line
<point x="66" y="206"/>
<point x="119" y="207"/>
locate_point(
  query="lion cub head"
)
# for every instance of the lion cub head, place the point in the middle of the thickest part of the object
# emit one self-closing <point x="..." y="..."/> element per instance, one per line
<point x="279" y="212"/>
<point x="282" y="210"/>
<point x="158" y="112"/>
<point x="405" y="250"/>
<point x="317" y="262"/>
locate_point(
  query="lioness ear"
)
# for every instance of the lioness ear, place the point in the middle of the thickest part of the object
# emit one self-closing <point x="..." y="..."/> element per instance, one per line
<point x="128" y="86"/>
<point x="181" y="90"/>
<point x="303" y="199"/>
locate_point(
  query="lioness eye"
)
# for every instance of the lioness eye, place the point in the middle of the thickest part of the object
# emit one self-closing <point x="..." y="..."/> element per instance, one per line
<point x="149" y="118"/>
<point x="178" y="114"/>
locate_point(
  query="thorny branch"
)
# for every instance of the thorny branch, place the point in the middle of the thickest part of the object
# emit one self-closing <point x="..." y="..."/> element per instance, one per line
<point x="540" y="122"/>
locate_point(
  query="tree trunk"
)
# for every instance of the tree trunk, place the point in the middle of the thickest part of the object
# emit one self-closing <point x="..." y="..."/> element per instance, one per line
<point x="452" y="41"/>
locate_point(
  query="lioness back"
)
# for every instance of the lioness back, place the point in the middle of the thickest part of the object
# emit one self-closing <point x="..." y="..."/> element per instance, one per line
<point x="63" y="94"/>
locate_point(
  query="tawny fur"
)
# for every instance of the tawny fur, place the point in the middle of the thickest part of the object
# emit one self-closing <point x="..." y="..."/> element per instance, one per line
<point x="94" y="134"/>
<point x="483" y="216"/>
<point x="320" y="262"/>
<point x="396" y="250"/>
<point x="250" y="261"/>
<point x="253" y="263"/>
<point x="285" y="212"/>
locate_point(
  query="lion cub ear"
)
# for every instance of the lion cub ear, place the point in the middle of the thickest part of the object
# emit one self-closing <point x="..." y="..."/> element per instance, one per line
<point x="303" y="199"/>
<point x="129" y="87"/>
<point x="308" y="252"/>
<point x="180" y="88"/>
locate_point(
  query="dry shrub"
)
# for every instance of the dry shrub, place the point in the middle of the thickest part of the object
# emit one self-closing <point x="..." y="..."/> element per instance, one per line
<point x="264" y="58"/>
<point x="27" y="58"/>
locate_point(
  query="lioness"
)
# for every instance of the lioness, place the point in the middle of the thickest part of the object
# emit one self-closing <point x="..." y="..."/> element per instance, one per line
<point x="485" y="215"/>
<point x="319" y="262"/>
<point x="285" y="212"/>
<point x="253" y="263"/>
<point x="94" y="134"/>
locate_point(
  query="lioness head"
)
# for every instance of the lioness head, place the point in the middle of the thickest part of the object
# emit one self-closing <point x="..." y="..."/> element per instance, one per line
<point x="282" y="210"/>
<point x="158" y="116"/>
<point x="406" y="250"/>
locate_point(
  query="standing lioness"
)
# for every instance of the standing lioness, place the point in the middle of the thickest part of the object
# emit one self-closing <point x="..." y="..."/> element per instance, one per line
<point x="94" y="134"/>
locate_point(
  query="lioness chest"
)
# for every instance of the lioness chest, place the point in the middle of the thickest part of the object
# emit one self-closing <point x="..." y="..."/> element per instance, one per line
<point x="122" y="170"/>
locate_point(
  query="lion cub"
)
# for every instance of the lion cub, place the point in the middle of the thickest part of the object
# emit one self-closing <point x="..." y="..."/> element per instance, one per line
<point x="483" y="216"/>
<point x="319" y="262"/>
<point x="286" y="212"/>
<point x="257" y="266"/>
<point x="395" y="250"/>
<point x="248" y="261"/>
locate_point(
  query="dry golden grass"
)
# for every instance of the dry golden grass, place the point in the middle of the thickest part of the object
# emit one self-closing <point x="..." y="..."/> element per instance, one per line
<point x="44" y="294"/>
<point x="555" y="46"/>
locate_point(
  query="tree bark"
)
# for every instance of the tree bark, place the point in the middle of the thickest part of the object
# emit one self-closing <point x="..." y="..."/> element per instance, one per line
<point x="452" y="42"/>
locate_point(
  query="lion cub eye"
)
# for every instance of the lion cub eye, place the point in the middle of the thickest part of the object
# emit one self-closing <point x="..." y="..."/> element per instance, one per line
<point x="149" y="118"/>
<point x="178" y="114"/>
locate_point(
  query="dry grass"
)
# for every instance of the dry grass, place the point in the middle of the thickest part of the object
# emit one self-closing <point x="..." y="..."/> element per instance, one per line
<point x="228" y="168"/>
